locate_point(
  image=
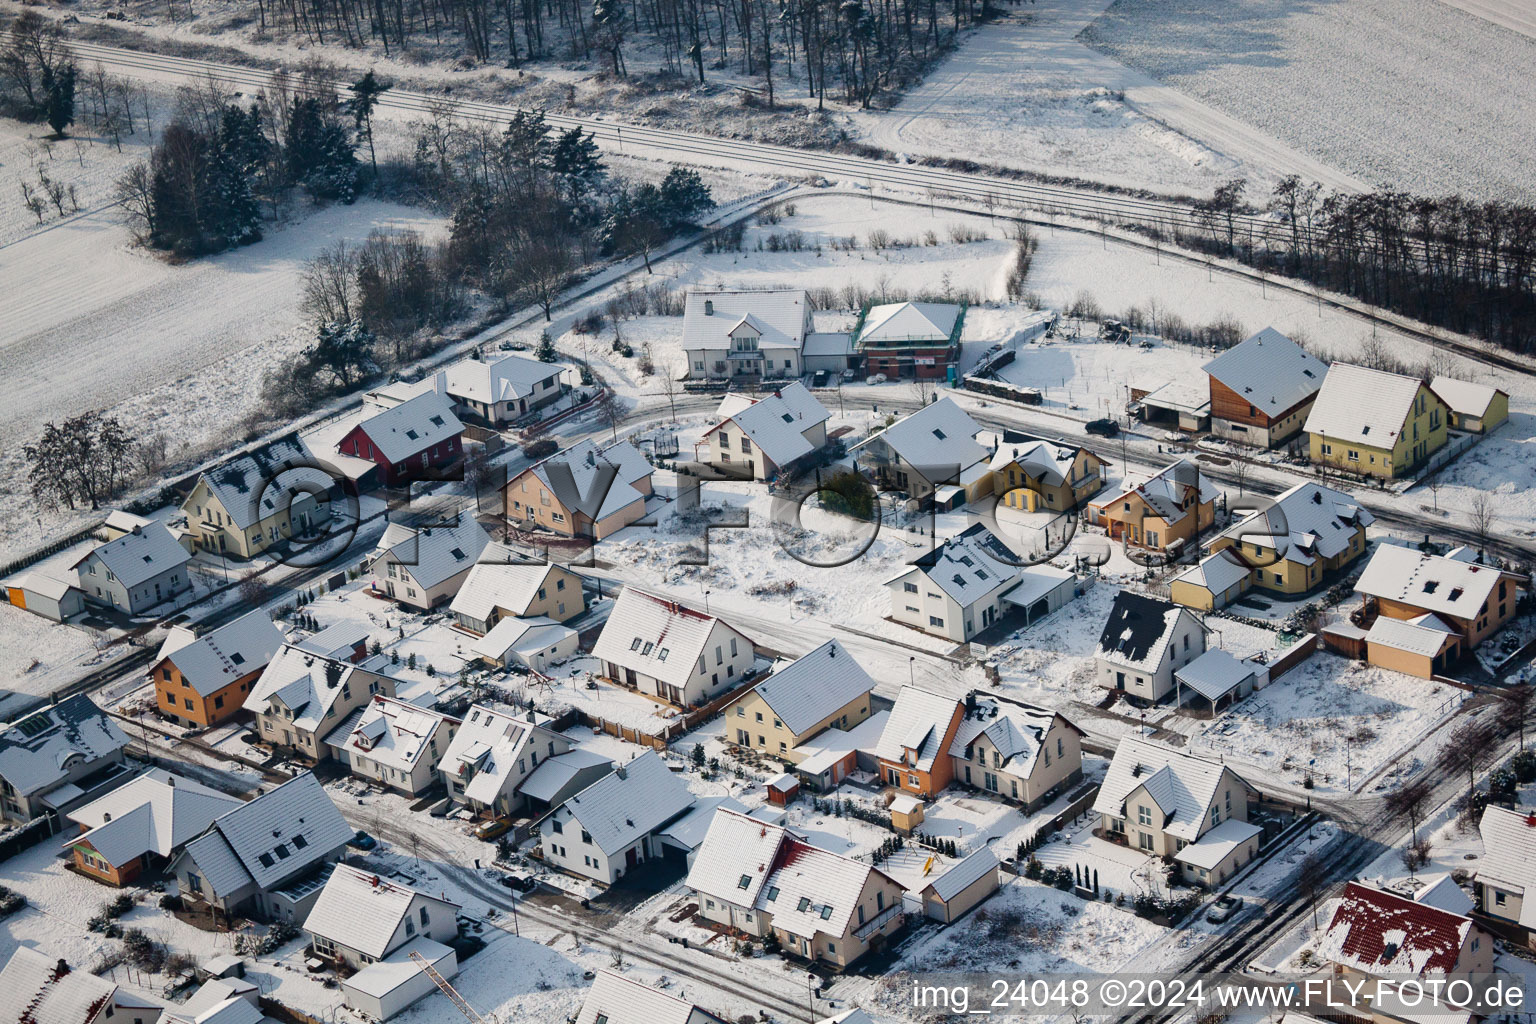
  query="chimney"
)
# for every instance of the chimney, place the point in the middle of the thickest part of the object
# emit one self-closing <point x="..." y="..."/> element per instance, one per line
<point x="709" y="307"/>
<point x="60" y="969"/>
<point x="440" y="382"/>
<point x="137" y="530"/>
<point x="622" y="772"/>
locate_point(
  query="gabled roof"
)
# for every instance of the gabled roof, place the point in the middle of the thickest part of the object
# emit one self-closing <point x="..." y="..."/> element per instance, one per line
<point x="307" y="684"/>
<point x="38" y="750"/>
<point x="1046" y="461"/>
<point x="909" y="322"/>
<point x="210" y="662"/>
<point x="140" y="555"/>
<point x="338" y="640"/>
<point x="1442" y="892"/>
<point x="433" y="554"/>
<point x="615" y="999"/>
<point x="1464" y="397"/>
<point x="393" y="733"/>
<point x="271" y="839"/>
<point x="779" y="315"/>
<point x="413" y="426"/>
<point x="1183" y="786"/>
<point x="813" y="686"/>
<point x="527" y="637"/>
<point x="968" y="566"/>
<point x="554" y="774"/>
<point x="595" y="481"/>
<point x="362" y="911"/>
<point x="777" y="423"/>
<point x="917" y="723"/>
<point x="1211" y="849"/>
<point x="969" y="870"/>
<point x="1425" y="635"/>
<point x="1436" y="583"/>
<point x="219" y="1001"/>
<point x="41" y="583"/>
<point x="488" y="746"/>
<point x="1014" y="728"/>
<point x="1358" y="405"/>
<point x="261" y="482"/>
<point x="1378" y="932"/>
<point x="1139" y="630"/>
<point x="1509" y="854"/>
<point x="1310" y="519"/>
<point x="737" y="849"/>
<point x="37" y="991"/>
<point x="1270" y="371"/>
<point x="1215" y="674"/>
<point x="156" y="812"/>
<point x="1215" y="572"/>
<point x="632" y="801"/>
<point x="511" y="586"/>
<point x="656" y="635"/>
<point x="936" y="437"/>
<point x="1168" y="491"/>
<point x="499" y="380"/>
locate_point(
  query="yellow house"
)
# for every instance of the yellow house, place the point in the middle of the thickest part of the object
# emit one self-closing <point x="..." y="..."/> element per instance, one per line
<point x="583" y="491"/>
<point x="1038" y="476"/>
<point x="259" y="500"/>
<point x="1451" y="594"/>
<point x="825" y="689"/>
<point x="1165" y="514"/>
<point x="496" y="589"/>
<point x="1020" y="752"/>
<point x="1475" y="408"/>
<point x="1374" y="423"/>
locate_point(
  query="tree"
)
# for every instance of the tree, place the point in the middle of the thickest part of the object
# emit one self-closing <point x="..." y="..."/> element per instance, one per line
<point x="32" y="58"/>
<point x="546" y="349"/>
<point x="319" y="154"/>
<point x="638" y="222"/>
<point x="330" y="284"/>
<point x="610" y="19"/>
<point x="365" y="97"/>
<point x="1409" y="803"/>
<point x="610" y="411"/>
<point x="60" y="107"/>
<point x="574" y="161"/>
<point x="1468" y="750"/>
<point x="1518" y="701"/>
<point x="669" y="387"/>
<point x="684" y="196"/>
<point x="1480" y="516"/>
<point x="344" y="350"/>
<point x="542" y="265"/>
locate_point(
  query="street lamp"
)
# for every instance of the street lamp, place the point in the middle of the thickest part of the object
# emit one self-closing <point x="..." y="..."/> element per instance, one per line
<point x="706" y="602"/>
<point x="911" y="669"/>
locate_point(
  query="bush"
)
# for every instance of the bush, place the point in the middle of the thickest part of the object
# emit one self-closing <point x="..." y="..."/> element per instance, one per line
<point x="10" y="901"/>
<point x="541" y="448"/>
<point x="170" y="902"/>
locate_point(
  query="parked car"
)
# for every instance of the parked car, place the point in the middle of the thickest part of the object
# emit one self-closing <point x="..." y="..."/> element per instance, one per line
<point x="848" y="374"/>
<point x="819" y="379"/>
<point x="1103" y="428"/>
<point x="876" y="378"/>
<point x="518" y="883"/>
<point x="495" y="828"/>
<point x="363" y="841"/>
<point x="1224" y="908"/>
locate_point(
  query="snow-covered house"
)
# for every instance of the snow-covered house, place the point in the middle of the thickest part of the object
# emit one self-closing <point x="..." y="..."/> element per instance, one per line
<point x="47" y="595"/>
<point x="360" y="918"/>
<point x="502" y="390"/>
<point x="259" y="499"/>
<point x="136" y="572"/>
<point x="1262" y="389"/>
<point x="759" y="438"/>
<point x="266" y="858"/>
<point x="663" y="648"/>
<point x="342" y="640"/>
<point x="393" y="743"/>
<point x="423" y="567"/>
<point x="41" y="989"/>
<point x="1165" y="513"/>
<point x="931" y="455"/>
<point x="219" y="1001"/>
<point x="1374" y="933"/>
<point x="1218" y="677"/>
<point x="301" y="697"/>
<point x="745" y="335"/>
<point x="948" y="896"/>
<point x="1431" y="609"/>
<point x="1043" y="476"/>
<point x="534" y="644"/>
<point x="910" y="339"/>
<point x="58" y="757"/>
<point x="610" y="827"/>
<point x="495" y="590"/>
<point x="561" y="777"/>
<point x="1020" y="752"/>
<point x="1375" y="423"/>
<point x="1169" y="804"/>
<point x="141" y="824"/>
<point x="1507" y="873"/>
<point x="1144" y="642"/>
<point x="825" y="689"/>
<point x="491" y="755"/>
<point x="417" y="439"/>
<point x="759" y="878"/>
<point x="586" y="490"/>
<point x="1475" y="408"/>
<point x="203" y="680"/>
<point x="913" y="749"/>
<point x="614" y="999"/>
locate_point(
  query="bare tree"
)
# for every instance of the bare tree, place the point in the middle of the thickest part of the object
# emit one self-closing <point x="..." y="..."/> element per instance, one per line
<point x="542" y="265"/>
<point x="134" y="193"/>
<point x="1312" y="881"/>
<point x="669" y="386"/>
<point x="1518" y="701"/>
<point x="610" y="411"/>
<point x="1480" y="515"/>
<point x="1468" y="750"/>
<point x="1409" y="803"/>
<point x="330" y="285"/>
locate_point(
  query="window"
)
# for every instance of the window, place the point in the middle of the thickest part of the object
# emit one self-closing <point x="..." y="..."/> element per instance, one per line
<point x="733" y="647"/>
<point x="804" y="902"/>
<point x="744" y="881"/>
<point x="826" y="912"/>
<point x="1144" y="815"/>
<point x="741" y="712"/>
<point x="1499" y="899"/>
<point x="555" y="823"/>
<point x="879" y="900"/>
<point x="934" y="620"/>
<point x="586" y="837"/>
<point x="773" y="893"/>
<point x="410" y="927"/>
<point x="299" y="842"/>
<point x="910" y="588"/>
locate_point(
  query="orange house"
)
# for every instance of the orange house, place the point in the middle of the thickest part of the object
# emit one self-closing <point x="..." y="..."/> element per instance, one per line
<point x="1165" y="514"/>
<point x="203" y="680"/>
<point x="138" y="826"/>
<point x="913" y="750"/>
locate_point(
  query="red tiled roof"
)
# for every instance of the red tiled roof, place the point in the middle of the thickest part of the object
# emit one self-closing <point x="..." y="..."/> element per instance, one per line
<point x="1379" y="932"/>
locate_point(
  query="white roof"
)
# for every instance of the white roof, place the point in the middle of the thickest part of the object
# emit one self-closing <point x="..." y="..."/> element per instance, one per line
<point x="777" y="423"/>
<point x="338" y="640"/>
<point x="1182" y="786"/>
<point x="210" y="662"/>
<point x="261" y="482"/>
<point x="621" y="1000"/>
<point x="658" y="636"/>
<point x="1217" y="845"/>
<point x="305" y="683"/>
<point x="814" y="686"/>
<point x="1038" y="581"/>
<point x="594" y="481"/>
<point x="41" y="583"/>
<point x="1442" y="892"/>
<point x="501" y="380"/>
<point x="1358" y="405"/>
<point x="1014" y="728"/>
<point x="413" y="426"/>
<point x="1312" y="519"/>
<point x="1423" y="635"/>
<point x="827" y="344"/>
<point x="219" y="1001"/>
<point x="272" y="838"/>
<point x="1214" y="674"/>
<point x="488" y="745"/>
<point x="136" y="557"/>
<point x="1215" y="572"/>
<point x="362" y="911"/>
<point x="36" y="994"/>
<point x="917" y="722"/>
<point x="965" y="873"/>
<point x="689" y="831"/>
<point x="528" y="637"/>
<point x="1167" y="491"/>
<point x="549" y="780"/>
<point x="156" y="812"/>
<point x="1182" y="395"/>
<point x="968" y="566"/>
<point x="39" y="750"/>
<point x="634" y="800"/>
<point x="779" y="316"/>
<point x="832" y="745"/>
<point x="433" y="554"/>
<point x="1270" y="371"/>
<point x="1436" y="583"/>
<point x="392" y="733"/>
<point x="1046" y="461"/>
<point x="909" y="321"/>
<point x="936" y="437"/>
<point x="1464" y="397"/>
<point x="511" y="586"/>
<point x="381" y="978"/>
<point x="1509" y="854"/>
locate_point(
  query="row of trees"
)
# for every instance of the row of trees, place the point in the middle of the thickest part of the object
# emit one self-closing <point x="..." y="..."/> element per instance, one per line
<point x="38" y="73"/>
<point x="81" y="461"/>
<point x="1464" y="265"/>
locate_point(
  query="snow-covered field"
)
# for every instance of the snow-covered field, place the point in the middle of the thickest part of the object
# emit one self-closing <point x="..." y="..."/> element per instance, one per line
<point x="1394" y="91"/>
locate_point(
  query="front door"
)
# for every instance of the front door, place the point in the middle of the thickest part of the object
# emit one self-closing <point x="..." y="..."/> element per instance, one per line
<point x="630" y="858"/>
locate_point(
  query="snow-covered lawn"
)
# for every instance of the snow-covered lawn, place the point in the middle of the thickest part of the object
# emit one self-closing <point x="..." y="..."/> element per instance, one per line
<point x="37" y="655"/>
